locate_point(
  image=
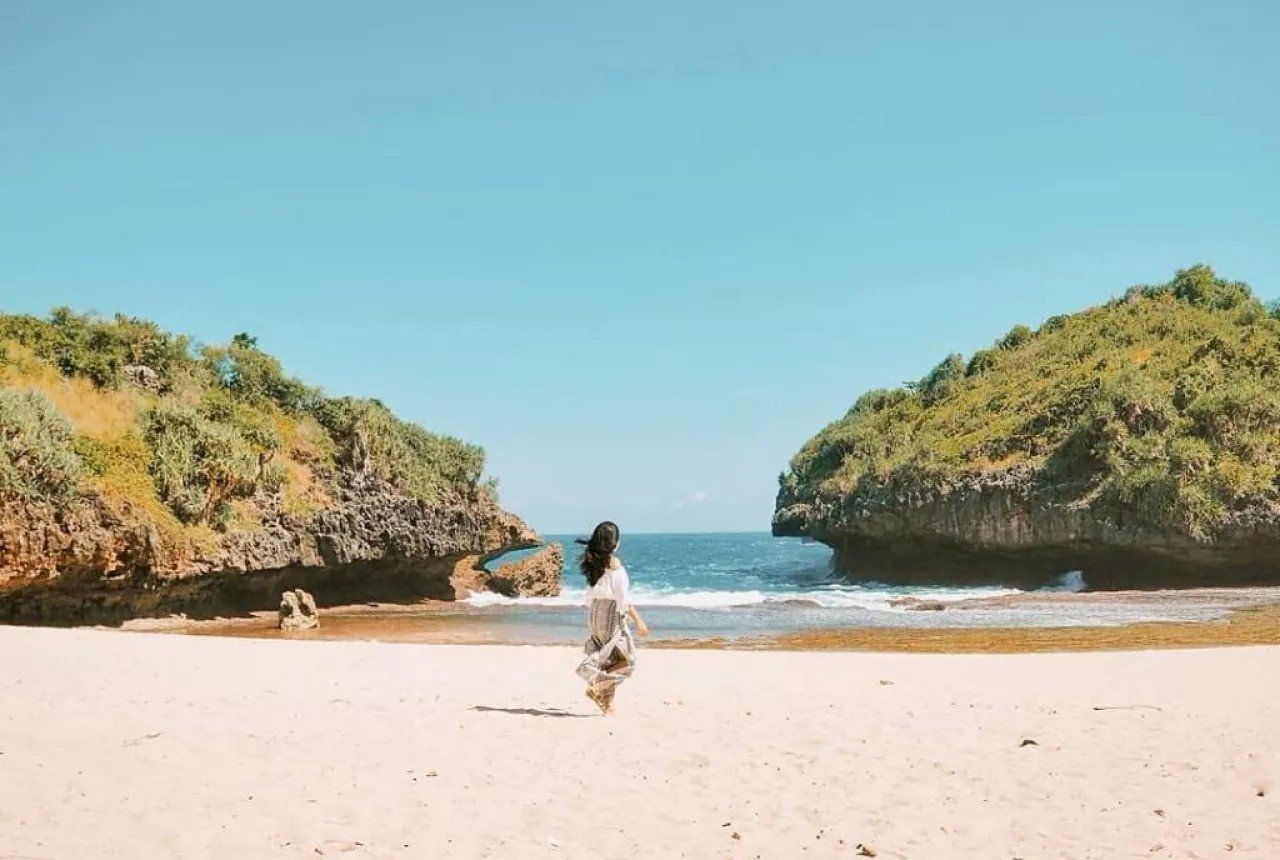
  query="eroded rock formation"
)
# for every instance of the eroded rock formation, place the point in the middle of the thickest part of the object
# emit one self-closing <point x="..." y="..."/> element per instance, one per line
<point x="87" y="564"/>
<point x="1010" y="527"/>
<point x="1136" y="442"/>
<point x="537" y="575"/>
<point x="298" y="610"/>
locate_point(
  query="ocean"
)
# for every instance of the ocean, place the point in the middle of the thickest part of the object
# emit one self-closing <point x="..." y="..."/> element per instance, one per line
<point x="748" y="587"/>
<point x="697" y="586"/>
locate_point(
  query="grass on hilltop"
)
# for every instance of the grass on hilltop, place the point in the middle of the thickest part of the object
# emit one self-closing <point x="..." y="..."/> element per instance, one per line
<point x="181" y="436"/>
<point x="1164" y="402"/>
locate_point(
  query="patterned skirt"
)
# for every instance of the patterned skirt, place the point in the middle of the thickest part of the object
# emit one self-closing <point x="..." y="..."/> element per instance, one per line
<point x="610" y="651"/>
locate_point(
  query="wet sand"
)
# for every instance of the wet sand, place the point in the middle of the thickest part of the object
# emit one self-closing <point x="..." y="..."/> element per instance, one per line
<point x="1244" y="617"/>
<point x="1253" y="625"/>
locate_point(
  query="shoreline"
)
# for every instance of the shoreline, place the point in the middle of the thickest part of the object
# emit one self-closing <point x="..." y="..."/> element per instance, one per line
<point x="1250" y="625"/>
<point x="447" y="623"/>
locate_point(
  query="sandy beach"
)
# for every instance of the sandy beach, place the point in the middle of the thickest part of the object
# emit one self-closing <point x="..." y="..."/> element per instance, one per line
<point x="117" y="744"/>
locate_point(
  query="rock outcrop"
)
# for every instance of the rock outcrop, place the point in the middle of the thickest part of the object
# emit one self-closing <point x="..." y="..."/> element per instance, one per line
<point x="1007" y="527"/>
<point x="538" y="575"/>
<point x="85" y="563"/>
<point x="298" y="610"/>
<point x="140" y="477"/>
<point x="1135" y="442"/>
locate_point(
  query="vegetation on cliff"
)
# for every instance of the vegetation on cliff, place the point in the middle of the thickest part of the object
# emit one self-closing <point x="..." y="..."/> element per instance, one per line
<point x="1163" y="404"/>
<point x="183" y="436"/>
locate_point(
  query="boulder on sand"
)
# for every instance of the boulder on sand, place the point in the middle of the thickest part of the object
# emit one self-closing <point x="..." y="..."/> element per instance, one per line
<point x="298" y="610"/>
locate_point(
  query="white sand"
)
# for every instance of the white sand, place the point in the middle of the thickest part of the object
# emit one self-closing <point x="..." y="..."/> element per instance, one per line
<point x="148" y="745"/>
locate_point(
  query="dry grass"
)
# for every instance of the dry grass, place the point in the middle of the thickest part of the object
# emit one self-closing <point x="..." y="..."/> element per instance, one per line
<point x="107" y="420"/>
<point x="96" y="413"/>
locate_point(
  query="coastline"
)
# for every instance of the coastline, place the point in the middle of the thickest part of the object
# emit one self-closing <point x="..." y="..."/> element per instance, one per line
<point x="1250" y="618"/>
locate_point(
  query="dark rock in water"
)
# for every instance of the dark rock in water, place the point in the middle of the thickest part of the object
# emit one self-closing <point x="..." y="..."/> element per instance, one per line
<point x="538" y="575"/>
<point x="1005" y="527"/>
<point x="298" y="610"/>
<point x="916" y="604"/>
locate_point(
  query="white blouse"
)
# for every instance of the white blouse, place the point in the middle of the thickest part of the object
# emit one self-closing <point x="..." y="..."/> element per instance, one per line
<point x="613" y="585"/>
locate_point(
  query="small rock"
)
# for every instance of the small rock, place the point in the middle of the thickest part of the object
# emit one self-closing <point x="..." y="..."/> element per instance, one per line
<point x="735" y="835"/>
<point x="864" y="850"/>
<point x="298" y="611"/>
<point x="142" y="376"/>
<point x="884" y="683"/>
<point x="1028" y="742"/>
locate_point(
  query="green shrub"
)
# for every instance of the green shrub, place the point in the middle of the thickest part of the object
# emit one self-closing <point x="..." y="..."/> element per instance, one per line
<point x="95" y="347"/>
<point x="415" y="460"/>
<point x="983" y="360"/>
<point x="1199" y="286"/>
<point x="257" y="377"/>
<point x="1164" y="403"/>
<point x="223" y="426"/>
<point x="938" y="382"/>
<point x="1017" y="336"/>
<point x="200" y="464"/>
<point x="878" y="400"/>
<point x="37" y="456"/>
<point x="1235" y="410"/>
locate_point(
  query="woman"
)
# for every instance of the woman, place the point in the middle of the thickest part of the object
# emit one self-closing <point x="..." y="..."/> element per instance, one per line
<point x="610" y="650"/>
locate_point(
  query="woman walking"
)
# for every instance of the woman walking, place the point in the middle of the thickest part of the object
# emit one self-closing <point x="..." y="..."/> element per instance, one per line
<point x="610" y="651"/>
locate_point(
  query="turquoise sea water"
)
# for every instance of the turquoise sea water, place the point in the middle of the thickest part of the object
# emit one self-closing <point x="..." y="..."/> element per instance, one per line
<point x="745" y="587"/>
<point x="731" y="585"/>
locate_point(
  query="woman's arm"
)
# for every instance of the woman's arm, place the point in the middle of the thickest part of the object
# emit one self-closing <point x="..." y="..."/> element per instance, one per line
<point x="623" y="586"/>
<point x="641" y="627"/>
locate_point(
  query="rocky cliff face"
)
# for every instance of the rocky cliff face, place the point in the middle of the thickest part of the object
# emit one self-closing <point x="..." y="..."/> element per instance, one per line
<point x="1137" y="441"/>
<point x="1011" y="527"/>
<point x="86" y="563"/>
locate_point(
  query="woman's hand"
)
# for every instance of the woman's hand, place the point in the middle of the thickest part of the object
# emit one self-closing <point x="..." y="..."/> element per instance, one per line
<point x="641" y="627"/>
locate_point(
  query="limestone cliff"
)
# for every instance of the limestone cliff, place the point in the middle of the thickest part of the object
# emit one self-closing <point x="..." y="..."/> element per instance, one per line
<point x="139" y="476"/>
<point x="85" y="563"/>
<point x="1138" y="442"/>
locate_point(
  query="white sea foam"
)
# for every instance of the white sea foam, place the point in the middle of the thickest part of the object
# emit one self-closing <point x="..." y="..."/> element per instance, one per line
<point x="1072" y="581"/>
<point x="872" y="598"/>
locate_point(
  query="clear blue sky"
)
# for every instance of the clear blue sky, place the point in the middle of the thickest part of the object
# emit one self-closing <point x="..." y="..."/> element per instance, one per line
<point x="639" y="251"/>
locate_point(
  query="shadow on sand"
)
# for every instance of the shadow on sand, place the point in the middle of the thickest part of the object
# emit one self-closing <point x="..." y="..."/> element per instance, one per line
<point x="528" y="712"/>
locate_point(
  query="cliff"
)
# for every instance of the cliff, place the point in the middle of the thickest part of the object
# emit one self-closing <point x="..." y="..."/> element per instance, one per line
<point x="139" y="476"/>
<point x="1138" y="442"/>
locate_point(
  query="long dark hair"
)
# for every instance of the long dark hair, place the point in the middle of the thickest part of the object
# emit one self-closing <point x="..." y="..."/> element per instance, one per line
<point x="599" y="549"/>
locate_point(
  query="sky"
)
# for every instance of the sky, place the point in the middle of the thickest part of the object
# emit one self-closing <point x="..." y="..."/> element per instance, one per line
<point x="639" y="251"/>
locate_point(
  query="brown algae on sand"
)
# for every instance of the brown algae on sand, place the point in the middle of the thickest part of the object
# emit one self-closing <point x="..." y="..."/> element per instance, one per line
<point x="1252" y="625"/>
